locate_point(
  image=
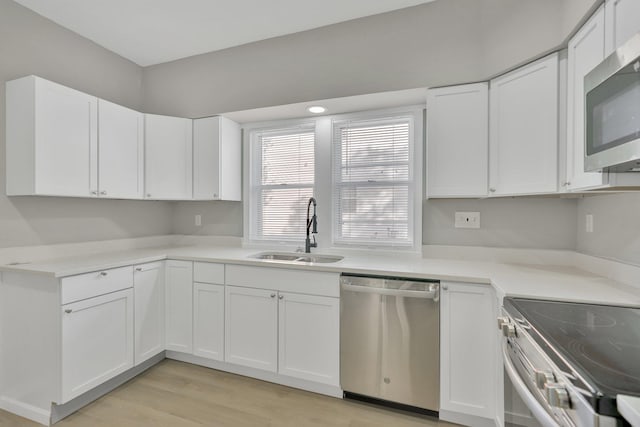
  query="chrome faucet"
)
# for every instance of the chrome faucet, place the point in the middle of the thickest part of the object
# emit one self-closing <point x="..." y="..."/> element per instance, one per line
<point x="313" y="222"/>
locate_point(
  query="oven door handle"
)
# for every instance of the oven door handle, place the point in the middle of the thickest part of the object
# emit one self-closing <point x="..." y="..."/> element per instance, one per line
<point x="536" y="408"/>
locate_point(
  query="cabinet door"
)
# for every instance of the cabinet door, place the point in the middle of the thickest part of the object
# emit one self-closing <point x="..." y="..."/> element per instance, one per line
<point x="120" y="147"/>
<point x="523" y="130"/>
<point x="168" y="157"/>
<point x="208" y="321"/>
<point x="585" y="51"/>
<point x="97" y="341"/>
<point x="309" y="337"/>
<point x="66" y="141"/>
<point x="216" y="159"/>
<point x="179" y="306"/>
<point x="251" y="328"/>
<point x="467" y="383"/>
<point x="622" y="22"/>
<point x="458" y="141"/>
<point x="149" y="310"/>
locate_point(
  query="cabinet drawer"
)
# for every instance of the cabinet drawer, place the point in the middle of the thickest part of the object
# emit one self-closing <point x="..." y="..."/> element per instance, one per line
<point x="89" y="285"/>
<point x="282" y="279"/>
<point x="208" y="272"/>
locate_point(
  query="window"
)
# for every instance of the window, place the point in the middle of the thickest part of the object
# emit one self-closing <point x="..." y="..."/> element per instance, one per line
<point x="373" y="182"/>
<point x="282" y="179"/>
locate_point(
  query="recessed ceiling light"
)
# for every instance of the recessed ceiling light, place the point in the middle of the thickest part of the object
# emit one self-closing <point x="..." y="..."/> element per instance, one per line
<point x="316" y="109"/>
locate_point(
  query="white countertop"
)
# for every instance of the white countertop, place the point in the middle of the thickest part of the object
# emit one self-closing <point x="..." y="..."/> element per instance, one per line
<point x="521" y="280"/>
<point x="629" y="407"/>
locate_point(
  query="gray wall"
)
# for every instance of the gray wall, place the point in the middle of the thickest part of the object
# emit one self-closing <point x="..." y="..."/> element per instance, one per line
<point x="218" y="218"/>
<point x="616" y="227"/>
<point x="438" y="43"/>
<point x="444" y="42"/>
<point x="523" y="222"/>
<point x="448" y="41"/>
<point x="30" y="44"/>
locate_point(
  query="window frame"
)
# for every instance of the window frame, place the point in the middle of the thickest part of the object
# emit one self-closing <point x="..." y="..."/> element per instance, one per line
<point x="415" y="117"/>
<point x="251" y="213"/>
<point x="323" y="185"/>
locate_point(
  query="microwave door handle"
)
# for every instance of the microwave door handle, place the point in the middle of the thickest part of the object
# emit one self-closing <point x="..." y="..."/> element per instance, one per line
<point x="536" y="408"/>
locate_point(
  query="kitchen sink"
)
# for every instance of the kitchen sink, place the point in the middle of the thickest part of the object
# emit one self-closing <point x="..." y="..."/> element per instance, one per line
<point x="296" y="258"/>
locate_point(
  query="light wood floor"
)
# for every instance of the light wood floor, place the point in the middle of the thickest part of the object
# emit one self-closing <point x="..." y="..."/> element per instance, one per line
<point x="176" y="394"/>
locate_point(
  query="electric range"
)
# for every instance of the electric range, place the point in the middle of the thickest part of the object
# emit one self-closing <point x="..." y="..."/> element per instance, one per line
<point x="571" y="360"/>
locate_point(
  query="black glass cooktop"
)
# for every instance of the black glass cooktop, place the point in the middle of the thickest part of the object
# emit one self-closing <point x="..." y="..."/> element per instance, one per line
<point x="601" y="342"/>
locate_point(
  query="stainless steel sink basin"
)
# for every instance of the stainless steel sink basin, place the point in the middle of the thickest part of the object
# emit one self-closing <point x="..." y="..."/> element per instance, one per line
<point x="296" y="258"/>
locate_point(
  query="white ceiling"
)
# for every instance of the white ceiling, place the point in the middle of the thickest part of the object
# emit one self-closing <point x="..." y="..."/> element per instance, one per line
<point x="154" y="31"/>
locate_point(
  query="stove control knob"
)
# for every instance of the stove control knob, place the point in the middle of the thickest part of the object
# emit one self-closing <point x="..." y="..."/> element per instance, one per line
<point x="558" y="397"/>
<point x="502" y="321"/>
<point x="544" y="378"/>
<point x="508" y="330"/>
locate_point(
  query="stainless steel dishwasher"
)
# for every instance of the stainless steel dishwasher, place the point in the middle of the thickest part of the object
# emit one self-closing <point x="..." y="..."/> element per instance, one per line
<point x="390" y="341"/>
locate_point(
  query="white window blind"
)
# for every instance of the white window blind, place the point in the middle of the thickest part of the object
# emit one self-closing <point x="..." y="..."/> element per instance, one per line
<point x="282" y="179"/>
<point x="373" y="182"/>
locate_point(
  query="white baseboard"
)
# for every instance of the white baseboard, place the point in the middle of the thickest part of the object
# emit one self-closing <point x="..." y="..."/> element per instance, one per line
<point x="326" y="389"/>
<point x="466" y="420"/>
<point x="30" y="412"/>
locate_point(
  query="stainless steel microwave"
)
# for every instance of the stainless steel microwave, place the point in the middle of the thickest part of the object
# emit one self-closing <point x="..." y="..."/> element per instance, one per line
<point x="612" y="111"/>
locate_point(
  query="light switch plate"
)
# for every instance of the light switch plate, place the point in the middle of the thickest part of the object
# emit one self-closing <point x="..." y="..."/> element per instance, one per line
<point x="198" y="220"/>
<point x="467" y="220"/>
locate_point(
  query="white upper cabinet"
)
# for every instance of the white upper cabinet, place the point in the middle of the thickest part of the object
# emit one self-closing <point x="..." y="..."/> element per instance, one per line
<point x="51" y="139"/>
<point x="586" y="50"/>
<point x="168" y="157"/>
<point x="622" y="21"/>
<point x="216" y="159"/>
<point x="121" y="151"/>
<point x="457" y="141"/>
<point x="609" y="27"/>
<point x="523" y="130"/>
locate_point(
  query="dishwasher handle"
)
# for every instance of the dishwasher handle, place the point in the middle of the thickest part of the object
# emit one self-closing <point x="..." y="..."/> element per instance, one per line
<point x="432" y="293"/>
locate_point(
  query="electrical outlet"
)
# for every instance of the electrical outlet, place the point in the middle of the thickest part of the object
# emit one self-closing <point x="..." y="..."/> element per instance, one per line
<point x="198" y="220"/>
<point x="588" y="223"/>
<point x="467" y="220"/>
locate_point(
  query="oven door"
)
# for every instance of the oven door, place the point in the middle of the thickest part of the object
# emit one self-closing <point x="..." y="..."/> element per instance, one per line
<point x="521" y="408"/>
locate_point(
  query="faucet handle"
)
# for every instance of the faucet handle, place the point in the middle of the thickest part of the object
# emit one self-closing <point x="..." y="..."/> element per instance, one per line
<point x="314" y="244"/>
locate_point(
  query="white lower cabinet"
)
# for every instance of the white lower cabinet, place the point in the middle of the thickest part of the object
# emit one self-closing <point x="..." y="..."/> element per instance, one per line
<point x="179" y="306"/>
<point x="309" y="337"/>
<point x="467" y="353"/>
<point x="251" y="328"/>
<point x="208" y="321"/>
<point x="292" y="334"/>
<point x="148" y="286"/>
<point x="97" y="341"/>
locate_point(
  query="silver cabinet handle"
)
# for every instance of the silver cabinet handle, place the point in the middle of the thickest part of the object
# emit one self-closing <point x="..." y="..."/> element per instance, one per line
<point x="95" y="193"/>
<point x="138" y="268"/>
<point x="103" y="273"/>
<point x="280" y="296"/>
<point x="445" y="287"/>
<point x="103" y="193"/>
<point x="273" y="295"/>
<point x="493" y="190"/>
<point x="215" y="195"/>
<point x="148" y="195"/>
<point x="68" y="310"/>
